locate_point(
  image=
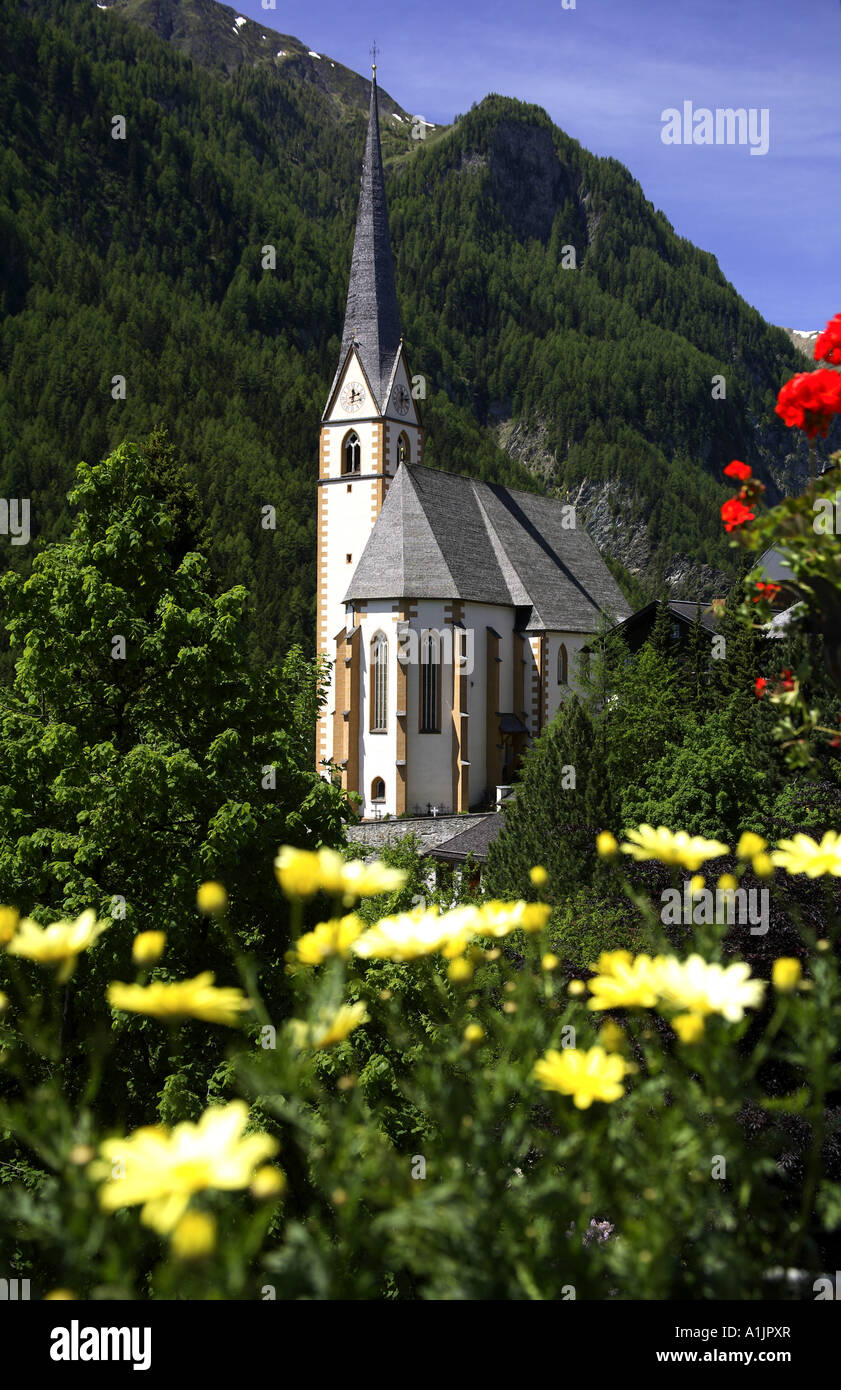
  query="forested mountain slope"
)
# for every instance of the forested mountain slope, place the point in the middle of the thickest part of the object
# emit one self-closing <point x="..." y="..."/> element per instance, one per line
<point x="141" y="258"/>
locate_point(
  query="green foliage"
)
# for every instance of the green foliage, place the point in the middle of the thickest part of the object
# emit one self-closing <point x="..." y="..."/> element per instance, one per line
<point x="133" y="774"/>
<point x="644" y="709"/>
<point x="585" y="925"/>
<point x="709" y="785"/>
<point x="563" y="800"/>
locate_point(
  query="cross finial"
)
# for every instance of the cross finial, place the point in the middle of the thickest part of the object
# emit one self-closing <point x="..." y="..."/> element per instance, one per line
<point x="374" y="51"/>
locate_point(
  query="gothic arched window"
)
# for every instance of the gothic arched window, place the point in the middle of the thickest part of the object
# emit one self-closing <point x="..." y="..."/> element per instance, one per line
<point x="379" y="684"/>
<point x="351" y="453"/>
<point x="378" y="789"/>
<point x="563" y="664"/>
<point x="430" y="684"/>
<point x="404" y="453"/>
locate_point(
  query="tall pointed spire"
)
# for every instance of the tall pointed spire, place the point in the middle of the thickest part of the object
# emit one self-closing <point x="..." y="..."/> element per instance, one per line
<point x="372" y="319"/>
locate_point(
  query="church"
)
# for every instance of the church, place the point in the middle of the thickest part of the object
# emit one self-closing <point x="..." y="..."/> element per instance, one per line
<point x="454" y="613"/>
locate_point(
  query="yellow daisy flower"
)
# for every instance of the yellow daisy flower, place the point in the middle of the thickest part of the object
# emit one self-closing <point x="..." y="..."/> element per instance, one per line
<point x="802" y="855"/>
<point x="331" y="1030"/>
<point x="196" y="998"/>
<point x="60" y="944"/>
<point x="9" y="918"/>
<point x="698" y="988"/>
<point x="499" y="919"/>
<point x="421" y="932"/>
<point x="750" y="845"/>
<point x="303" y="872"/>
<point x="763" y="866"/>
<point x="624" y="982"/>
<point x="333" y="938"/>
<point x="671" y="847"/>
<point x="586" y="1076"/>
<point x="162" y="1168"/>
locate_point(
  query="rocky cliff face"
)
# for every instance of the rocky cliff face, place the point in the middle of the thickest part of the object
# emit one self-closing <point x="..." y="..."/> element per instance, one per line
<point x="527" y="178"/>
<point x="805" y="341"/>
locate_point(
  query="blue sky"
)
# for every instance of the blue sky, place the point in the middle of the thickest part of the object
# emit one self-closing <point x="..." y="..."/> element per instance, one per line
<point x="605" y="71"/>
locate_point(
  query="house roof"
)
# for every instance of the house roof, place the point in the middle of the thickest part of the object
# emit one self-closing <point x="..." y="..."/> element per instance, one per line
<point x="774" y="566"/>
<point x="475" y="841"/>
<point x="439" y="535"/>
<point x="372" y="319"/>
<point x="685" y="610"/>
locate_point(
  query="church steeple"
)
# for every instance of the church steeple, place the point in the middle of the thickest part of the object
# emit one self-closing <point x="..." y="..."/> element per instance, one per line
<point x="370" y="428"/>
<point x="372" y="320"/>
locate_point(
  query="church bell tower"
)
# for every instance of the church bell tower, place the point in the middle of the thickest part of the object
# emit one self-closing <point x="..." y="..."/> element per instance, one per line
<point x="369" y="427"/>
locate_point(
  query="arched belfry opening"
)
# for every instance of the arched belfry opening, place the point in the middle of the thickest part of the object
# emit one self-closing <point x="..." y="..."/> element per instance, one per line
<point x="351" y="453"/>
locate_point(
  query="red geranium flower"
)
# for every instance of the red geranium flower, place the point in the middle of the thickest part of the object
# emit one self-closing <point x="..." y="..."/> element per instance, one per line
<point x="786" y="681"/>
<point x="768" y="591"/>
<point x="734" y="513"/>
<point x="810" y="400"/>
<point x="828" y="345"/>
<point x="737" y="469"/>
<point x="759" y="686"/>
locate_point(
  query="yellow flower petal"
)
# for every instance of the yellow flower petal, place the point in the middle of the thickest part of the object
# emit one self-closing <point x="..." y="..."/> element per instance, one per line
<point x="161" y="1169"/>
<point x="671" y="847"/>
<point x="197" y="998"/>
<point x="586" y="1076"/>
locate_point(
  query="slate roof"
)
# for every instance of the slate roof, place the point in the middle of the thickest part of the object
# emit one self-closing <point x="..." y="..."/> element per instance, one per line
<point x="476" y="840"/>
<point x="372" y="313"/>
<point x="775" y="569"/>
<point x="441" y="536"/>
<point x="685" y="609"/>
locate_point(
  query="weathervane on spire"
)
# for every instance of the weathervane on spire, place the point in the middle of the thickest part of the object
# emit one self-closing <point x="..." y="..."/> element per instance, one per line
<point x="374" y="51"/>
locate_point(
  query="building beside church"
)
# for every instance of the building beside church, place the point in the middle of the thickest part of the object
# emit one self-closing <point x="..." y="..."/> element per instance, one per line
<point x="453" y="611"/>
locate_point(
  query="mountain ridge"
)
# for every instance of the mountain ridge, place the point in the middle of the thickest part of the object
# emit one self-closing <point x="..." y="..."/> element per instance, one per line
<point x="144" y="257"/>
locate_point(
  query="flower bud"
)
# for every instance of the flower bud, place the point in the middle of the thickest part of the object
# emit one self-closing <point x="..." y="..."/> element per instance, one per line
<point x="212" y="898"/>
<point x="148" y="947"/>
<point x="786" y="974"/>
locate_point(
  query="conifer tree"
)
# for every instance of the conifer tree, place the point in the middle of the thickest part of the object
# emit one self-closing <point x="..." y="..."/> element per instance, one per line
<point x="562" y="801"/>
<point x="661" y="633"/>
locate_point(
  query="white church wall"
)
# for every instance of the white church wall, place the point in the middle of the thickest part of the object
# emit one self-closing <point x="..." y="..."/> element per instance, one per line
<point x="430" y="756"/>
<point x="573" y="641"/>
<point x="479" y="617"/>
<point x="378" y="752"/>
<point x="345" y="527"/>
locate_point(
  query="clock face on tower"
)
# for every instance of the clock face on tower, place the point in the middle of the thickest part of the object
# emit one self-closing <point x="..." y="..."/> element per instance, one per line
<point x="401" y="400"/>
<point x="353" y="395"/>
